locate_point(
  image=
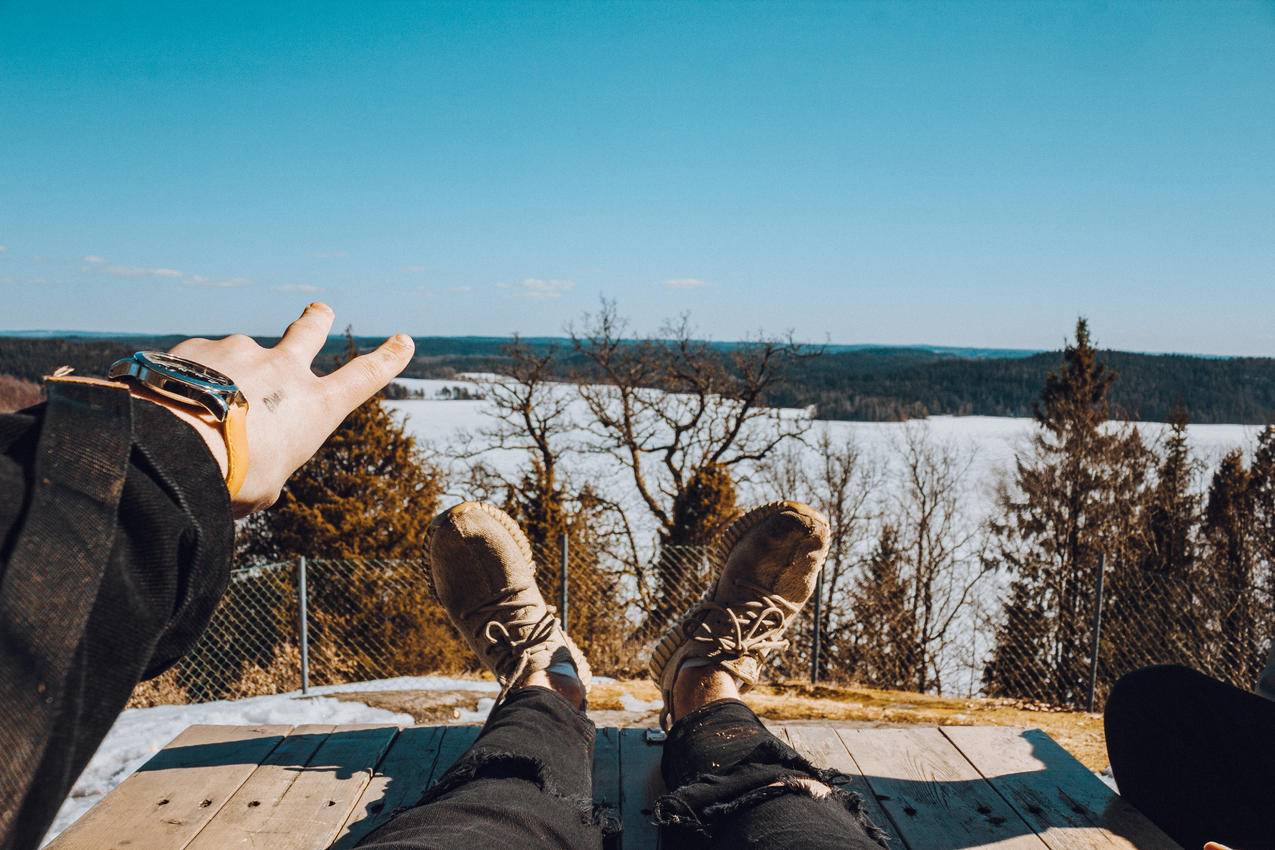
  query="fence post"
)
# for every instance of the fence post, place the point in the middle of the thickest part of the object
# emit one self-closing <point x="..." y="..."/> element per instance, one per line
<point x="1097" y="632"/>
<point x="814" y="650"/>
<point x="303" y="623"/>
<point x="562" y="584"/>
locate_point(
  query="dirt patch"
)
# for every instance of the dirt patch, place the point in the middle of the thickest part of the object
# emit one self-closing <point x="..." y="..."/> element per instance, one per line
<point x="425" y="707"/>
<point x="636" y="703"/>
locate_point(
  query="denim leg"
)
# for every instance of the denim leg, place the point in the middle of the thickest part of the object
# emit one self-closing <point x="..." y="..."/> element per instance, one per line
<point x="527" y="781"/>
<point x="733" y="784"/>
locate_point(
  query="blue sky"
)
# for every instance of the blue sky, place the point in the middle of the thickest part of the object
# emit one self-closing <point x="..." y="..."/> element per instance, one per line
<point x="950" y="173"/>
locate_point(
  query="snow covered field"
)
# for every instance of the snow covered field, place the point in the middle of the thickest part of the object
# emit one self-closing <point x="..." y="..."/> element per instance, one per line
<point x="992" y="442"/>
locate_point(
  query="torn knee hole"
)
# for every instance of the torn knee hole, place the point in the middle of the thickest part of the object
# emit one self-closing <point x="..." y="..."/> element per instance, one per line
<point x="804" y="785"/>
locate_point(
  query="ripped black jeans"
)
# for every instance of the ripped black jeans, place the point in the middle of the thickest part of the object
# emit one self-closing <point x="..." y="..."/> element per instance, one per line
<point x="527" y="783"/>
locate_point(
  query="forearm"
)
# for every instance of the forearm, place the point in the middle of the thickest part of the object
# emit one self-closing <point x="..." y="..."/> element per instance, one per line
<point x="158" y="571"/>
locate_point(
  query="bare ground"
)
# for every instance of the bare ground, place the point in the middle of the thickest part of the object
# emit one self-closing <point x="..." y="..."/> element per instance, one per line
<point x="636" y="703"/>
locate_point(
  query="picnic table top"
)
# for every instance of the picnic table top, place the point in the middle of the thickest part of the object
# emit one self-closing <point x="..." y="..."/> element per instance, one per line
<point x="309" y="787"/>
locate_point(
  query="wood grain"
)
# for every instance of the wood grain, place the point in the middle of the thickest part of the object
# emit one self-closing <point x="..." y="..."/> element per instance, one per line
<point x="935" y="797"/>
<point x="400" y="780"/>
<point x="825" y="749"/>
<point x="1069" y="807"/>
<point x="174" y="795"/>
<point x="259" y="797"/>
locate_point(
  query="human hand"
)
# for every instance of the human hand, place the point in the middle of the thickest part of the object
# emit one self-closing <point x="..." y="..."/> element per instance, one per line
<point x="291" y="411"/>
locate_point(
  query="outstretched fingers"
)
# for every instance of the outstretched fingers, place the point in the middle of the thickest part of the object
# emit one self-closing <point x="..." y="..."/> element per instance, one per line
<point x="305" y="337"/>
<point x="365" y="375"/>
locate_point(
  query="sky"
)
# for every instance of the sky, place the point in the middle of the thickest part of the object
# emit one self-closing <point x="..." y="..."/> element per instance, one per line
<point x="951" y="173"/>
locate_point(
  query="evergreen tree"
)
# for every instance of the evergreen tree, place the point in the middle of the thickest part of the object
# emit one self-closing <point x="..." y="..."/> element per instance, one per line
<point x="1231" y="533"/>
<point x="700" y="509"/>
<point x="1262" y="494"/>
<point x="883" y="648"/>
<point x="548" y="516"/>
<point x="1165" y="574"/>
<point x="1076" y="497"/>
<point x="361" y="507"/>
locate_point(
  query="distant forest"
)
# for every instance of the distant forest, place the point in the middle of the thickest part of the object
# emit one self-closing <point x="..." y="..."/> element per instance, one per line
<point x="857" y="383"/>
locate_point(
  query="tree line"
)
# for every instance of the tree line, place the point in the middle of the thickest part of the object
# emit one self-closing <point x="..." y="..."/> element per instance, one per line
<point x="882" y="384"/>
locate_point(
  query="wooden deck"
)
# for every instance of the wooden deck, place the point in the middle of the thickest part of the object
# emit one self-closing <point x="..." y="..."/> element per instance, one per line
<point x="311" y="787"/>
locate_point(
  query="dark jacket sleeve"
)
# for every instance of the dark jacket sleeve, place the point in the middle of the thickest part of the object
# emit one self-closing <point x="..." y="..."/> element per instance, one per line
<point x="162" y="571"/>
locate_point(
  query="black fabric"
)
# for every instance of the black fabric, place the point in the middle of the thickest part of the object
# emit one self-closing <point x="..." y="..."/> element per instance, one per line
<point x="734" y="784"/>
<point x="1195" y="755"/>
<point x="159" y="576"/>
<point x="527" y="782"/>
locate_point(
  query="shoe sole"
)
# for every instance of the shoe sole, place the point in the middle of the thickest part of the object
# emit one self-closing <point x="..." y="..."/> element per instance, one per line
<point x="677" y="635"/>
<point x="506" y="521"/>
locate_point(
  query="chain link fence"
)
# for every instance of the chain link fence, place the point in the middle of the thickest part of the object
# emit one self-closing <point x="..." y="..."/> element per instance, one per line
<point x="374" y="619"/>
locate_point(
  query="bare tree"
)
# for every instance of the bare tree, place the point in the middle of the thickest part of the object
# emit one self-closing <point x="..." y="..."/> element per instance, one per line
<point x="532" y="408"/>
<point x="667" y="408"/>
<point x="939" y="545"/>
<point x="840" y="483"/>
<point x="681" y="417"/>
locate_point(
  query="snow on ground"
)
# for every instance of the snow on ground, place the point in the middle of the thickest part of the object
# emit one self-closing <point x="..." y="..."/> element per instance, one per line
<point x="632" y="703"/>
<point x="139" y="733"/>
<point x="991" y="441"/>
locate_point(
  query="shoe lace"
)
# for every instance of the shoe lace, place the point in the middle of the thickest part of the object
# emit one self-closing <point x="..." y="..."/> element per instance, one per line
<point x="755" y="626"/>
<point x="518" y="638"/>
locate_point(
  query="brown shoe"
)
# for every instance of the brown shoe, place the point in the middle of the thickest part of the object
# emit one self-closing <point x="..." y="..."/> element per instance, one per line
<point x="770" y="558"/>
<point x="479" y="566"/>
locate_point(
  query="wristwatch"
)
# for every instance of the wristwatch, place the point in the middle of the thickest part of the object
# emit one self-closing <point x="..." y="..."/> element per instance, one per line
<point x="195" y="385"/>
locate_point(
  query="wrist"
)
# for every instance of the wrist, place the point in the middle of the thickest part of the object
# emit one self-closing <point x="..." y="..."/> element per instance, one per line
<point x="208" y="428"/>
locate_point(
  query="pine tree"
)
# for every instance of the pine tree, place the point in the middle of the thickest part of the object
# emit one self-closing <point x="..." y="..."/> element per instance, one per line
<point x="1076" y="497"/>
<point x="883" y="649"/>
<point x="548" y="516"/>
<point x="1164" y="577"/>
<point x="1230" y="530"/>
<point x="359" y="510"/>
<point x="704" y="506"/>
<point x="1262" y="494"/>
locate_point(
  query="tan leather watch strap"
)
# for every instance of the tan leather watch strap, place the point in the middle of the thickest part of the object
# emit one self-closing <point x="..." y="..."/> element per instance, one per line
<point x="235" y="430"/>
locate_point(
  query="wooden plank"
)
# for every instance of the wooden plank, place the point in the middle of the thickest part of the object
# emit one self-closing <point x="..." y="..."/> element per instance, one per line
<point x="641" y="786"/>
<point x="314" y="806"/>
<point x="259" y="796"/>
<point x="824" y="748"/>
<point x="935" y="797"/>
<point x="455" y="742"/>
<point x="399" y="782"/>
<point x="606" y="768"/>
<point x="174" y="795"/>
<point x="1069" y="807"/>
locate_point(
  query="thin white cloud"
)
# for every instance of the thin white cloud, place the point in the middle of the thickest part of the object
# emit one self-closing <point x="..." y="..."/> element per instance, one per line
<point x="4" y="249"/>
<point x="416" y="269"/>
<point x="301" y="288"/>
<point x="94" y="263"/>
<point x="460" y="289"/>
<point x="141" y="271"/>
<point x="685" y="283"/>
<point x="541" y="290"/>
<point x="330" y="255"/>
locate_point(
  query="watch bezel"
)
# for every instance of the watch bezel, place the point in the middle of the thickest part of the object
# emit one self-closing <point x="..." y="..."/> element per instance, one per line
<point x="187" y="388"/>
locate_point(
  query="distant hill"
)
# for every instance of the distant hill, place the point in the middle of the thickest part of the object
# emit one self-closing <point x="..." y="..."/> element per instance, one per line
<point x="860" y="382"/>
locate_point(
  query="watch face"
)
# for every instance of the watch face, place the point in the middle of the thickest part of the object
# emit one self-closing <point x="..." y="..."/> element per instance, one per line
<point x="185" y="369"/>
